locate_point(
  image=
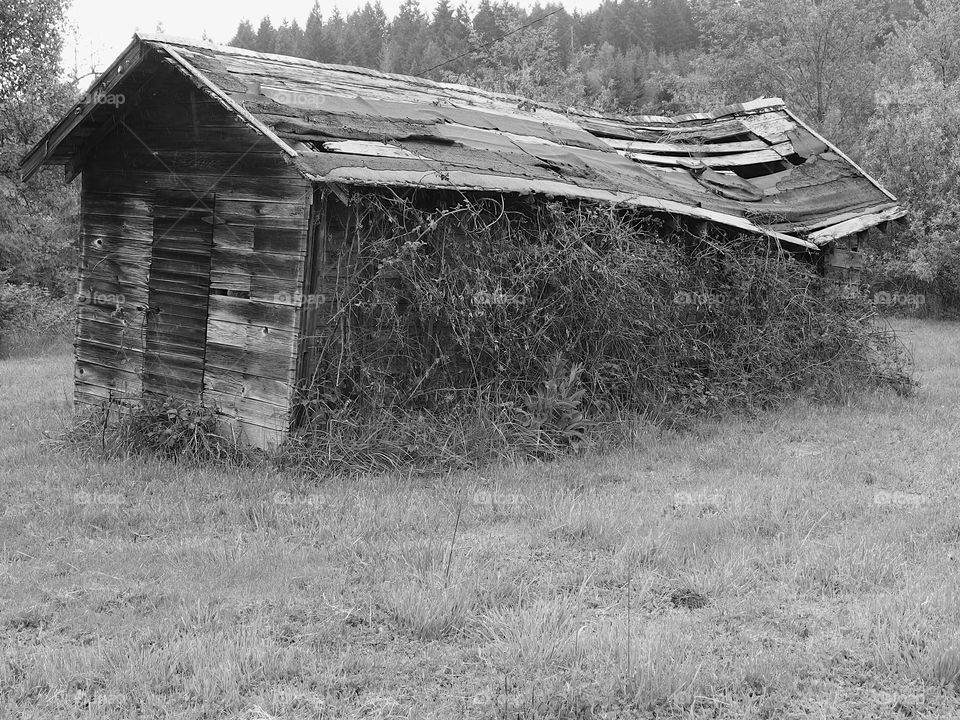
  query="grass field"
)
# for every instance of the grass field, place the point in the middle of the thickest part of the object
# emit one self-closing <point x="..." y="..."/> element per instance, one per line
<point x="804" y="563"/>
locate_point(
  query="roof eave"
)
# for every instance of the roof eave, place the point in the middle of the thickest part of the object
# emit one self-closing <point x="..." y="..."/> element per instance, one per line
<point x="45" y="148"/>
<point x="465" y="181"/>
<point x="854" y="225"/>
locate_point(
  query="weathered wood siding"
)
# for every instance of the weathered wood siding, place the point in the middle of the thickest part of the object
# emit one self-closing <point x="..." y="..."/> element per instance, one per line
<point x="843" y="260"/>
<point x="237" y="328"/>
<point x="329" y="279"/>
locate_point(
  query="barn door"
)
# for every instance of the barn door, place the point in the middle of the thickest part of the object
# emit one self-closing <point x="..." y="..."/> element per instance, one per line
<point x="176" y="324"/>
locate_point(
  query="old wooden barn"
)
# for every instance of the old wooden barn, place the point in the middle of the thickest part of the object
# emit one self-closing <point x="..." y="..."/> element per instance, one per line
<point x="214" y="179"/>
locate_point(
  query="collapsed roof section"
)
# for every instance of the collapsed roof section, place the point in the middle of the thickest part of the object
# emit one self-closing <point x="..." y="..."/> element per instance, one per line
<point x="754" y="167"/>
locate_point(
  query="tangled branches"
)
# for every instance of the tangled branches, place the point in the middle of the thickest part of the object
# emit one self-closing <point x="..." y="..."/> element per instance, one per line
<point x="543" y="319"/>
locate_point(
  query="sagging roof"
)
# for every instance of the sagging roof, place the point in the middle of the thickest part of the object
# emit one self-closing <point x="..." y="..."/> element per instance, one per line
<point x="754" y="166"/>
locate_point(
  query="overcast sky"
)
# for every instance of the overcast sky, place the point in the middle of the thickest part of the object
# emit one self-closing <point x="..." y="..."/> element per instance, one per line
<point x="99" y="30"/>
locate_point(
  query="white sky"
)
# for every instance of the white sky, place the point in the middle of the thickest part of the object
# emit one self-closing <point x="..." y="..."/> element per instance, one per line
<point x="98" y="30"/>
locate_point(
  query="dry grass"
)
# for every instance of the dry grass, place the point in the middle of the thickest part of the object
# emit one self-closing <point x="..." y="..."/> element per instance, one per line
<point x="794" y="564"/>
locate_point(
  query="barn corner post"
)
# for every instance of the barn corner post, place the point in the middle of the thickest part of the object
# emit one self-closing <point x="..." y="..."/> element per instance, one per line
<point x="324" y="325"/>
<point x="309" y="303"/>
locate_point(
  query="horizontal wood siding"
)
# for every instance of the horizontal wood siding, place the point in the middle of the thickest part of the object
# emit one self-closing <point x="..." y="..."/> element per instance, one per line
<point x="176" y="139"/>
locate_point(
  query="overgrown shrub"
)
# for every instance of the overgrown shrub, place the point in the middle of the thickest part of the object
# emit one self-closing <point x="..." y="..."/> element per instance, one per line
<point x="31" y="318"/>
<point x="520" y="328"/>
<point x="163" y="426"/>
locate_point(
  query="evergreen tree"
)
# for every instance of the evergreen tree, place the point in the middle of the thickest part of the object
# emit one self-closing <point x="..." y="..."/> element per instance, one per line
<point x="449" y="39"/>
<point x="671" y="25"/>
<point x="364" y="35"/>
<point x="266" y="37"/>
<point x="312" y="43"/>
<point x="403" y="51"/>
<point x="488" y="22"/>
<point x="289" y="38"/>
<point x="245" y="38"/>
<point x="333" y="46"/>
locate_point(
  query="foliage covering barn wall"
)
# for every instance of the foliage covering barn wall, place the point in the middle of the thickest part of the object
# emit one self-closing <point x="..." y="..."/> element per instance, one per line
<point x="471" y="326"/>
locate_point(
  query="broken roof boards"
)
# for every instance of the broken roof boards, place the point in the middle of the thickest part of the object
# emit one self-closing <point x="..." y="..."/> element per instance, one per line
<point x="754" y="167"/>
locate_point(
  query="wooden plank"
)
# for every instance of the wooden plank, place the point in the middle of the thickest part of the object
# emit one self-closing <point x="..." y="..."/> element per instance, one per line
<point x="117" y="226"/>
<point x="366" y="147"/>
<point x="99" y="250"/>
<point x="170" y="156"/>
<point x="233" y="237"/>
<point x="265" y="238"/>
<point x="757" y="157"/>
<point x="145" y="184"/>
<point x="283" y="267"/>
<point x="106" y="316"/>
<point x="850" y="227"/>
<point x="226" y="333"/>
<point x="143" y="134"/>
<point x="251" y="312"/>
<point x="90" y="394"/>
<point x="108" y="357"/>
<point x="128" y="348"/>
<point x="727" y="148"/>
<point x="174" y="302"/>
<point x="261" y="212"/>
<point x="773" y="127"/>
<point x="233" y="385"/>
<point x="184" y="332"/>
<point x="281" y="240"/>
<point x="272" y="363"/>
<point x="841" y="217"/>
<point x="844" y="258"/>
<point x="113" y="332"/>
<point x="185" y="294"/>
<point x="221" y="280"/>
<point x="101" y="287"/>
<point x="261" y="437"/>
<point x="110" y="378"/>
<point x="174" y="381"/>
<point x="116" y="205"/>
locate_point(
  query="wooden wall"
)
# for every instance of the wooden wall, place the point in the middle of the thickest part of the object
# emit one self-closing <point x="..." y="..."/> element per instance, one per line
<point x="329" y="279"/>
<point x="843" y="261"/>
<point x="175" y="139"/>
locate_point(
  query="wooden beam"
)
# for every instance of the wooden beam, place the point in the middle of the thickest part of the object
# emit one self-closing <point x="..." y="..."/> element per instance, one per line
<point x="664" y="148"/>
<point x="756" y="157"/>
<point x="49" y="143"/>
<point x="475" y="181"/>
<point x="849" y="227"/>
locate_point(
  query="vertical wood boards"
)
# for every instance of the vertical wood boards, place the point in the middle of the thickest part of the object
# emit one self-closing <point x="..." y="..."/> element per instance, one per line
<point x="179" y="284"/>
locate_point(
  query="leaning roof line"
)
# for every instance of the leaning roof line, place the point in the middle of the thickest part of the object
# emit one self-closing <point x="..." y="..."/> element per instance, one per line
<point x="565" y="150"/>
